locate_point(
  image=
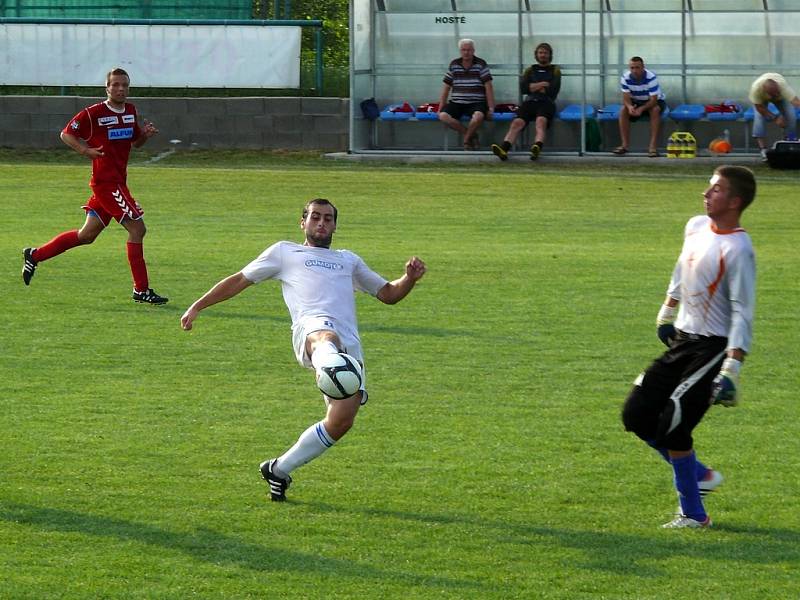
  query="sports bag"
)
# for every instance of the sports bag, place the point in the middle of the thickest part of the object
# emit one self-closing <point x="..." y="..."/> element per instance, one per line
<point x="370" y="110"/>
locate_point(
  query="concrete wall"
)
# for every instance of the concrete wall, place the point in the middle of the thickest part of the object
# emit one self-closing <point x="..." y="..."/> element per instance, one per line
<point x="251" y="123"/>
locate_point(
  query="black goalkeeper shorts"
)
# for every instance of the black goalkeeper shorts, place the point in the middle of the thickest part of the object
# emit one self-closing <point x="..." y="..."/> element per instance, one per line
<point x="670" y="398"/>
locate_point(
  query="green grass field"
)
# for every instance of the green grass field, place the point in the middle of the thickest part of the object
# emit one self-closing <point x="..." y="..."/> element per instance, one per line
<point x="490" y="461"/>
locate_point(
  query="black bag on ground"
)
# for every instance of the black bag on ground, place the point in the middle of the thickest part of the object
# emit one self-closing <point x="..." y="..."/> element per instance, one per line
<point x="784" y="155"/>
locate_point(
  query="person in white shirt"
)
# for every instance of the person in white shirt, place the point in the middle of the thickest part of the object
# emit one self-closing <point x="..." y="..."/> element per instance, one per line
<point x="318" y="288"/>
<point x="772" y="87"/>
<point x="706" y="322"/>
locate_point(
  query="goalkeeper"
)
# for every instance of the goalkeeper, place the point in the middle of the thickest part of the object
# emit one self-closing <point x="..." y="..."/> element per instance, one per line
<point x="706" y="322"/>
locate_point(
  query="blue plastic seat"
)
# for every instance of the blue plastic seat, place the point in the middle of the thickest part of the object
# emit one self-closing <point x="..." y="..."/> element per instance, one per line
<point x="388" y="115"/>
<point x="609" y="112"/>
<point x="688" y="112"/>
<point x="572" y="112"/>
<point x="731" y="116"/>
<point x="728" y="116"/>
<point x="427" y="116"/>
<point x="504" y="116"/>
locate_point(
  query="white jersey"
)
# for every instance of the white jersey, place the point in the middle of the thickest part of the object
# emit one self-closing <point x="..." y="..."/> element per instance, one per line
<point x="714" y="280"/>
<point x="317" y="282"/>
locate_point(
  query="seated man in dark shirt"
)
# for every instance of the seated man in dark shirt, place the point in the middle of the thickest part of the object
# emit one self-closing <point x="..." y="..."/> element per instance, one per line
<point x="541" y="82"/>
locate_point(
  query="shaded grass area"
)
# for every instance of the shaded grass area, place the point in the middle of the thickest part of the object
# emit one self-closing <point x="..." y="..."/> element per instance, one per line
<point x="587" y="166"/>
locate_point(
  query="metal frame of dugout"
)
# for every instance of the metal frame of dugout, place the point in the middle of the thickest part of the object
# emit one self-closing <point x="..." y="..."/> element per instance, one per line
<point x="703" y="51"/>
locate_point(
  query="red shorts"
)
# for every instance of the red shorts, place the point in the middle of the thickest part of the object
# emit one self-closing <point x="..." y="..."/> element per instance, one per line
<point x="113" y="200"/>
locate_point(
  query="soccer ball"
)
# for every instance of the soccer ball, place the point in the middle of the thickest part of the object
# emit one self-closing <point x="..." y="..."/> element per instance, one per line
<point x="339" y="376"/>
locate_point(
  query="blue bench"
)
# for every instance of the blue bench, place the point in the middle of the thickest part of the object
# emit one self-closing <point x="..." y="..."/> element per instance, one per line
<point x="610" y="112"/>
<point x="697" y="112"/>
<point x="432" y="116"/>
<point x="426" y="116"/>
<point x="572" y="112"/>
<point x="726" y="116"/>
<point x="688" y="112"/>
<point x="569" y="113"/>
<point x="390" y="113"/>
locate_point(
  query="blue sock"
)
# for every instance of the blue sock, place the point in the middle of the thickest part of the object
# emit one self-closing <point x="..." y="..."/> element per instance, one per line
<point x="686" y="483"/>
<point x="700" y="468"/>
<point x="662" y="451"/>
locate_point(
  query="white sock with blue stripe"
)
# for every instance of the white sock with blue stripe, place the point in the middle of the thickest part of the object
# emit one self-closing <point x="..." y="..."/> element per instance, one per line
<point x="312" y="442"/>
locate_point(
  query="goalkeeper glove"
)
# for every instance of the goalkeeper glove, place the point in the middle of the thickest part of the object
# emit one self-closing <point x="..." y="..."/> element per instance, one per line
<point x="664" y="324"/>
<point x="723" y="390"/>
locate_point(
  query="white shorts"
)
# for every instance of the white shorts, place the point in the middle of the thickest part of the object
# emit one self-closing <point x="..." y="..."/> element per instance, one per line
<point x="350" y="345"/>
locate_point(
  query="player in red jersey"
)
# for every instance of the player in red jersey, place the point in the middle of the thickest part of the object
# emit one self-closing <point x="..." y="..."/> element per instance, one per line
<point x="105" y="133"/>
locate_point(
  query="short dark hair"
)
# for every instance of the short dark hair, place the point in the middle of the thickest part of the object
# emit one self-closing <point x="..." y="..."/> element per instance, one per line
<point x="323" y="202"/>
<point x="547" y="47"/>
<point x="116" y="71"/>
<point x="741" y="180"/>
<point x="636" y="59"/>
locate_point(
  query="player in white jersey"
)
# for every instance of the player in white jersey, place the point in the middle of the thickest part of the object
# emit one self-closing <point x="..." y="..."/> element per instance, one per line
<point x="712" y="292"/>
<point x="318" y="288"/>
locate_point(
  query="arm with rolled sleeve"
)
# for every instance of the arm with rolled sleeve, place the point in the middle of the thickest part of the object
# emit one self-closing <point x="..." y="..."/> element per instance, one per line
<point x="665" y="321"/>
<point x="741" y="291"/>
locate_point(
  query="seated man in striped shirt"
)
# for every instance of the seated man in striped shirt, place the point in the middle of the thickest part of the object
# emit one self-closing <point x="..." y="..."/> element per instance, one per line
<point x="641" y="97"/>
<point x="469" y="80"/>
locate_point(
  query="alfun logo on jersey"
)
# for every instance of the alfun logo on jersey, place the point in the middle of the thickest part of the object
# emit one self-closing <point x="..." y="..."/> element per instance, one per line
<point x="123" y="133"/>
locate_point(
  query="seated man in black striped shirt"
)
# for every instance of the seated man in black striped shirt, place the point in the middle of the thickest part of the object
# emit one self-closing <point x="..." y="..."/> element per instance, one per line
<point x="468" y="82"/>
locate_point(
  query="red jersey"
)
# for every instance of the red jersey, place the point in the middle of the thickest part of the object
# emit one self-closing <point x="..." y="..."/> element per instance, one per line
<point x="114" y="130"/>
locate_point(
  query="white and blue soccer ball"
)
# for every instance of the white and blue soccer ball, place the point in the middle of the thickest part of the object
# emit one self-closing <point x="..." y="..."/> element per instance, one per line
<point x="339" y="375"/>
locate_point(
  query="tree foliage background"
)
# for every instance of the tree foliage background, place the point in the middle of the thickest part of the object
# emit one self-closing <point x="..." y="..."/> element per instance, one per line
<point x="334" y="14"/>
<point x="335" y="17"/>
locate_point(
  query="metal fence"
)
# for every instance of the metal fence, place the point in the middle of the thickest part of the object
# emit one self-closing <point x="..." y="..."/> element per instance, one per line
<point x="128" y="9"/>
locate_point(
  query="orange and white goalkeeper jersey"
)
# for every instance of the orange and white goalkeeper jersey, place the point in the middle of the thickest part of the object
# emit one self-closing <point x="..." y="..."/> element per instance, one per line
<point x="714" y="280"/>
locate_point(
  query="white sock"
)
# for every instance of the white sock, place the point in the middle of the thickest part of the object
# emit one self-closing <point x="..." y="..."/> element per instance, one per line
<point x="312" y="442"/>
<point x="321" y="350"/>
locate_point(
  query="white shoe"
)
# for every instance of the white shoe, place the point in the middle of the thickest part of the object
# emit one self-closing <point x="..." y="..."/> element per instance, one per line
<point x="764" y="154"/>
<point x="711" y="483"/>
<point x="684" y="522"/>
<point x="706" y="487"/>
